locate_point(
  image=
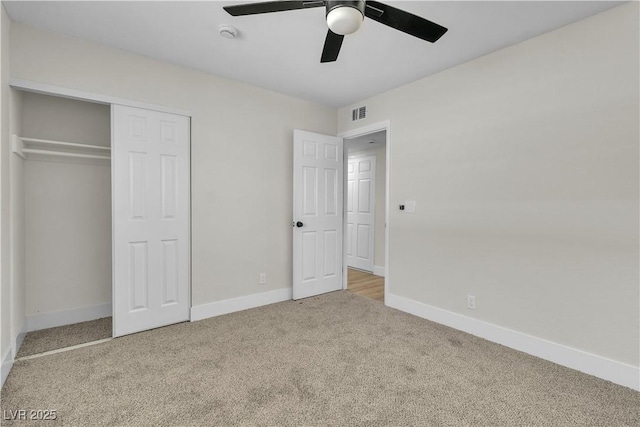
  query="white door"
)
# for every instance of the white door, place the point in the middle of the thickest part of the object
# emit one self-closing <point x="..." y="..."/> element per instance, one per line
<point x="150" y="193"/>
<point x="317" y="214"/>
<point x="361" y="178"/>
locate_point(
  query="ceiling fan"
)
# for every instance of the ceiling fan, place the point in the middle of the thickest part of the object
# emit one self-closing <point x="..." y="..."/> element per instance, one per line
<point x="345" y="17"/>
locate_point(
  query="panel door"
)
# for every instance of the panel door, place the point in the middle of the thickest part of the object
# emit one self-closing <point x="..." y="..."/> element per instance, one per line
<point x="150" y="164"/>
<point x="361" y="175"/>
<point x="317" y="214"/>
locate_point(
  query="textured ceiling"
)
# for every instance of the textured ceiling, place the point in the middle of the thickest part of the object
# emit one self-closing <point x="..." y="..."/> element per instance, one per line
<point x="281" y="51"/>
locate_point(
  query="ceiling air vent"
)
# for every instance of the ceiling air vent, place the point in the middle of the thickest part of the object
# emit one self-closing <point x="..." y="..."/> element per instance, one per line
<point x="358" y="113"/>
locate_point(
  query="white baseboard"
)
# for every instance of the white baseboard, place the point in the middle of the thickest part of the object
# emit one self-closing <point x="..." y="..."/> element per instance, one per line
<point x="10" y="355"/>
<point x="218" y="308"/>
<point x="379" y="271"/>
<point x="67" y="317"/>
<point x="19" y="339"/>
<point x="7" y="364"/>
<point x="601" y="367"/>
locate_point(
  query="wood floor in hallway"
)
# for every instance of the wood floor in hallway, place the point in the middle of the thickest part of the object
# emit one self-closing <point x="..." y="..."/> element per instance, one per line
<point x="365" y="284"/>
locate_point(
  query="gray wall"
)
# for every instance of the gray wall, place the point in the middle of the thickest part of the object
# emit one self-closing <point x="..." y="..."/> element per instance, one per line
<point x="241" y="152"/>
<point x="61" y="119"/>
<point x="524" y="166"/>
<point x="67" y="209"/>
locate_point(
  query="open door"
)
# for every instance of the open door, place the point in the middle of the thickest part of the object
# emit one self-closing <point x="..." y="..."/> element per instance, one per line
<point x="150" y="193"/>
<point x="317" y="213"/>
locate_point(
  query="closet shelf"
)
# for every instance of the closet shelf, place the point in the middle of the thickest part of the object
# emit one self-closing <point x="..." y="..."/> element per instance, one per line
<point x="44" y="148"/>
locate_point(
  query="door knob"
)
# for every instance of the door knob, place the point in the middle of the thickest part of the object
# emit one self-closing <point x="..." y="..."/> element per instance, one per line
<point x="299" y="224"/>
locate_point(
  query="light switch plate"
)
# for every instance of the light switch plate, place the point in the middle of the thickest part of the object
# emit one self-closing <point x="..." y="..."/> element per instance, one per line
<point x="410" y="206"/>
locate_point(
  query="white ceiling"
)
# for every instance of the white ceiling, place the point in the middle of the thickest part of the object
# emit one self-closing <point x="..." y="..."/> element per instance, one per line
<point x="366" y="142"/>
<point x="281" y="51"/>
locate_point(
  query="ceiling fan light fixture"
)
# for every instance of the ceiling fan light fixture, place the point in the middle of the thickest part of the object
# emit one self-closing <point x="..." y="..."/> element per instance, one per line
<point x="344" y="20"/>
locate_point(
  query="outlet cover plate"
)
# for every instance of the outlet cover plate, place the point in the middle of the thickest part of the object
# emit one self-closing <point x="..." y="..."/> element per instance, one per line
<point x="471" y="302"/>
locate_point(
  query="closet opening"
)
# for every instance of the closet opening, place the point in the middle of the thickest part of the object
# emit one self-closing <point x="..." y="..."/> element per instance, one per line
<point x="63" y="151"/>
<point x="100" y="191"/>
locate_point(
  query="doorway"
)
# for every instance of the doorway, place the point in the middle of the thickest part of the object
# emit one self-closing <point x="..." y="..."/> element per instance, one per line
<point x="365" y="213"/>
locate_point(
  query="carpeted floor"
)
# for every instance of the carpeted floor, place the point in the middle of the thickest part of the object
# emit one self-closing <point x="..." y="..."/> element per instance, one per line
<point x="338" y="359"/>
<point x="65" y="336"/>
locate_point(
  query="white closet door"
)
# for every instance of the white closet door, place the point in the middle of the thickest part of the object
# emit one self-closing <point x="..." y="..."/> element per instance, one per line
<point x="150" y="193"/>
<point x="361" y="208"/>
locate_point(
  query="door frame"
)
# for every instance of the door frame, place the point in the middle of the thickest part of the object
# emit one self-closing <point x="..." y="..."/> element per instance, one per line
<point x="376" y="127"/>
<point x="97" y="98"/>
<point x="374" y="202"/>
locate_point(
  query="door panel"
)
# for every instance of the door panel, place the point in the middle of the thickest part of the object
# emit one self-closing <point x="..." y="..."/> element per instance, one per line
<point x="309" y="244"/>
<point x="317" y="205"/>
<point x="150" y="192"/>
<point x="170" y="261"/>
<point x="331" y="192"/>
<point x="361" y="212"/>
<point x="169" y="186"/>
<point x="330" y="253"/>
<point x="363" y="241"/>
<point x="139" y="278"/>
<point x="364" y="196"/>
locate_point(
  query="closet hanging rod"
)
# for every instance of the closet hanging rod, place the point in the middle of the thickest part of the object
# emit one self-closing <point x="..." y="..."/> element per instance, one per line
<point x="65" y="144"/>
<point x="64" y="154"/>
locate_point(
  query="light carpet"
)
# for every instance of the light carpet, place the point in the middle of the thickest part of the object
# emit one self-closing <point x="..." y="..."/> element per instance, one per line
<point x="65" y="336"/>
<point x="338" y="359"/>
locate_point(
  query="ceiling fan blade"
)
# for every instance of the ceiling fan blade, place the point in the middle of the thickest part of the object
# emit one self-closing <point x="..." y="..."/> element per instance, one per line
<point x="404" y="21"/>
<point x="332" y="45"/>
<point x="269" y="6"/>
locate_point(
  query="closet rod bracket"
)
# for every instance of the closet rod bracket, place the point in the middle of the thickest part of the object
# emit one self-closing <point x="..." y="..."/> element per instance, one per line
<point x="17" y="146"/>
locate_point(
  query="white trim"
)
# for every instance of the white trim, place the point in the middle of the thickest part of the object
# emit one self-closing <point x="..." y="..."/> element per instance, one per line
<point x="386" y="126"/>
<point x="7" y="364"/>
<point x="376" y="127"/>
<point x="68" y="317"/>
<point x="379" y="271"/>
<point x="65" y="349"/>
<point x="232" y="305"/>
<point x="64" y="92"/>
<point x="17" y="342"/>
<point x="45" y="149"/>
<point x="598" y="366"/>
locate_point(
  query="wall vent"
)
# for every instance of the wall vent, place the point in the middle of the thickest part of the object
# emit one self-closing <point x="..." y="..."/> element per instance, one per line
<point x="358" y="113"/>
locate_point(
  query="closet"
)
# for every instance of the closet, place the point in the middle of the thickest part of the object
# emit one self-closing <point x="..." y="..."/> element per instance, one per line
<point x="105" y="206"/>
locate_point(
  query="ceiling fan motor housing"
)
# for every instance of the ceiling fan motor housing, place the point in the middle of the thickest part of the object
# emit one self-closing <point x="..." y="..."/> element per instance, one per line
<point x="342" y="17"/>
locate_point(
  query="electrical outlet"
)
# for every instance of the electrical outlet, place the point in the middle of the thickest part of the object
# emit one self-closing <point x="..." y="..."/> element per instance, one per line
<point x="263" y="278"/>
<point x="471" y="302"/>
